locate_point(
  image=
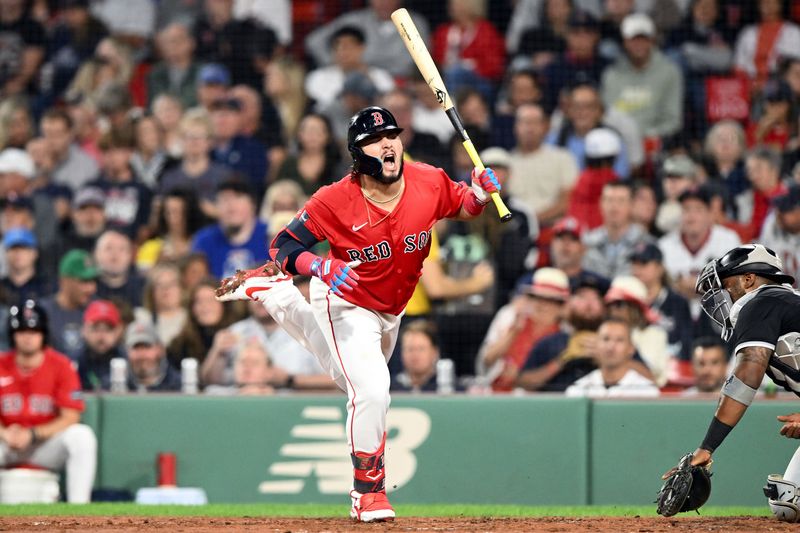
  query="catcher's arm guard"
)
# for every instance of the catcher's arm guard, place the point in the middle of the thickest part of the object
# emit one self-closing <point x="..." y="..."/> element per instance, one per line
<point x="686" y="489"/>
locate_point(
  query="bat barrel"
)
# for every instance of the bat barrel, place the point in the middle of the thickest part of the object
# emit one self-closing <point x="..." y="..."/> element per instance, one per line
<point x="422" y="58"/>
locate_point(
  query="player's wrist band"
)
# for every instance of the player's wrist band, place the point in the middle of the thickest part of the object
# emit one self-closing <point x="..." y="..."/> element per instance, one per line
<point x="482" y="196"/>
<point x="472" y="204"/>
<point x="305" y="263"/>
<point x="717" y="431"/>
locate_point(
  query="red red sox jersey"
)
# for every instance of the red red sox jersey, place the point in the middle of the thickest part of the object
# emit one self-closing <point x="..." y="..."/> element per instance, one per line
<point x="36" y="398"/>
<point x="390" y="246"/>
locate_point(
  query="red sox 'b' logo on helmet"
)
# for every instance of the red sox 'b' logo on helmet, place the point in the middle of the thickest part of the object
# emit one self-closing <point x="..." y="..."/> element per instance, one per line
<point x="377" y="118"/>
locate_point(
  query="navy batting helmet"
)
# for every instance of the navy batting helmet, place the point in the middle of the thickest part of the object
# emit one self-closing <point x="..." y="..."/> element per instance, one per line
<point x="27" y="316"/>
<point x="366" y="124"/>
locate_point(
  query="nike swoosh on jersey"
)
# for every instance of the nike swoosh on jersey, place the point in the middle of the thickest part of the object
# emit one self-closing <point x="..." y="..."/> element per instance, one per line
<point x="4" y="382"/>
<point x="356" y="228"/>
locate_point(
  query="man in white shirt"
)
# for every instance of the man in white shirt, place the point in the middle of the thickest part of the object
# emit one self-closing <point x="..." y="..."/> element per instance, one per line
<point x="542" y="176"/>
<point x="294" y="367"/>
<point x="385" y="47"/>
<point x="614" y="377"/>
<point x="348" y="44"/>
<point x="696" y="241"/>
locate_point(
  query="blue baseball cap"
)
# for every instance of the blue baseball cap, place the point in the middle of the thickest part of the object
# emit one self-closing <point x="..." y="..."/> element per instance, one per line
<point x="646" y="252"/>
<point x="214" y="74"/>
<point x="589" y="280"/>
<point x="18" y="201"/>
<point x="789" y="200"/>
<point x="19" y="237"/>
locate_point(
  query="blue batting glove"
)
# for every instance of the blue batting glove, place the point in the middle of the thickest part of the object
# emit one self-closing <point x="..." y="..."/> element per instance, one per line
<point x="336" y="274"/>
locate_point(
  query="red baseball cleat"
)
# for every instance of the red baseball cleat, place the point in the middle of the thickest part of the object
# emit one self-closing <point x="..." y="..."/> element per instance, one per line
<point x="247" y="284"/>
<point x="371" y="507"/>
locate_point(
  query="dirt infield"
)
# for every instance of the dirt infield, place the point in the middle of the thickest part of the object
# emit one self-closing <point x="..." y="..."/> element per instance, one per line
<point x="284" y="525"/>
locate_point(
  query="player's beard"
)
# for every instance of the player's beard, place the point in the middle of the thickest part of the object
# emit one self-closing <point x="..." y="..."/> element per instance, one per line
<point x="388" y="180"/>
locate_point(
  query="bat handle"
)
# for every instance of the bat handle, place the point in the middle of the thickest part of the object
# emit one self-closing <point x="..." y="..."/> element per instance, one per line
<point x="502" y="210"/>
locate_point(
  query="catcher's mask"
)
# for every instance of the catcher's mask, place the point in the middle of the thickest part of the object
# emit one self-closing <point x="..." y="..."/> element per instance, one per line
<point x="368" y="124"/>
<point x="750" y="258"/>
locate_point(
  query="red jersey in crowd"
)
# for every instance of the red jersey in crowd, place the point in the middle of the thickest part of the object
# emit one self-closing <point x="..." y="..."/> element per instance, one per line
<point x="517" y="354"/>
<point x="584" y="201"/>
<point x="762" y="203"/>
<point x="482" y="45"/>
<point x="36" y="397"/>
<point x="776" y="137"/>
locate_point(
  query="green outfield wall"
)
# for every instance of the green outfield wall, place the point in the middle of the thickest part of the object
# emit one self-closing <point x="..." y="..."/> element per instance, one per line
<point x="506" y="450"/>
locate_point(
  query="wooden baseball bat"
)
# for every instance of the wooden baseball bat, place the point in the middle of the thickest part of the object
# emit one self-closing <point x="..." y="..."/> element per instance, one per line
<point x="422" y="57"/>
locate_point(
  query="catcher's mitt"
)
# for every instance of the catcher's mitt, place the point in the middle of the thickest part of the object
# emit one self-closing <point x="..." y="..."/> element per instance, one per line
<point x="686" y="489"/>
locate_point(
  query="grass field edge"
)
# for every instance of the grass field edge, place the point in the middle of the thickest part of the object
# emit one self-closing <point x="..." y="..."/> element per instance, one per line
<point x="335" y="511"/>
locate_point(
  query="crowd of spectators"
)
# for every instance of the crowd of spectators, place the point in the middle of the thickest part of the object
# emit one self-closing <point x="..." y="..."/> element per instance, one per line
<point x="150" y="148"/>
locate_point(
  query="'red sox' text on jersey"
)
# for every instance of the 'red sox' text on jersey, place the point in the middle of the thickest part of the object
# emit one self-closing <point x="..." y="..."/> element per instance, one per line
<point x="391" y="246"/>
<point x="34" y="398"/>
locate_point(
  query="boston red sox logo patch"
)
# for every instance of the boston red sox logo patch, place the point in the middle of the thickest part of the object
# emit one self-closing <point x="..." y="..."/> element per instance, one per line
<point x="377" y="118"/>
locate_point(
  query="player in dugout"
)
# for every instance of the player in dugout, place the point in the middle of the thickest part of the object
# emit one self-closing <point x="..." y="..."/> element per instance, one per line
<point x="41" y="404"/>
<point x="377" y="219"/>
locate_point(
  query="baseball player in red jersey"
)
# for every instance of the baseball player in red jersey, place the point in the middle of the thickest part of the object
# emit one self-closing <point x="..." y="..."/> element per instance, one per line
<point x="41" y="405"/>
<point x="378" y="218"/>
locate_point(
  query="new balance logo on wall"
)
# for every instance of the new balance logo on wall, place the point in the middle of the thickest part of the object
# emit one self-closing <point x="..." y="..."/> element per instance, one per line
<point x="317" y="452"/>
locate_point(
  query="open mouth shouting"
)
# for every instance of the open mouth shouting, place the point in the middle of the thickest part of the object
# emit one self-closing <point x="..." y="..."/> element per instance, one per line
<point x="390" y="163"/>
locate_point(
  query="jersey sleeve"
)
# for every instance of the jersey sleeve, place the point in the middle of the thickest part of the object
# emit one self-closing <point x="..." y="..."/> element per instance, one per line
<point x="315" y="217"/>
<point x="451" y="197"/>
<point x="68" y="393"/>
<point x="758" y="324"/>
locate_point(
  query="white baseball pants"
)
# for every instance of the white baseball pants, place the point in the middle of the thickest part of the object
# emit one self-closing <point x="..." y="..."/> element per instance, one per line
<point x="75" y="448"/>
<point x="793" y="468"/>
<point x="352" y="343"/>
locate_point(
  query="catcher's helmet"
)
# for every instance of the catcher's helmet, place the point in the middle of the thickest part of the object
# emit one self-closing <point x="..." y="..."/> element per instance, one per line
<point x="753" y="258"/>
<point x="27" y="316"/>
<point x="366" y="124"/>
<point x="749" y="258"/>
